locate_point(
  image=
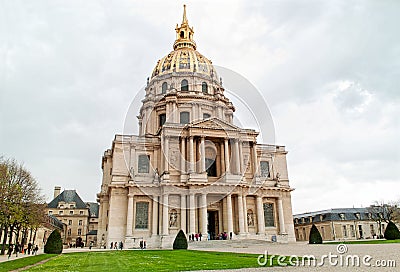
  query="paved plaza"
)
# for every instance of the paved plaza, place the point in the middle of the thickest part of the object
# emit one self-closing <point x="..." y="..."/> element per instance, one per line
<point x="376" y="251"/>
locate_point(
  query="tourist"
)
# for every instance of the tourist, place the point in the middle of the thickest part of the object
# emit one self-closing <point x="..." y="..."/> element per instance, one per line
<point x="144" y="244"/>
<point x="91" y="245"/>
<point x="141" y="244"/>
<point x="200" y="235"/>
<point x="192" y="237"/>
<point x="10" y="250"/>
<point x="196" y="236"/>
<point x="16" y="249"/>
<point x="115" y="245"/>
<point x="230" y="235"/>
<point x="112" y="245"/>
<point x="121" y="245"/>
<point x="29" y="248"/>
<point x="36" y="249"/>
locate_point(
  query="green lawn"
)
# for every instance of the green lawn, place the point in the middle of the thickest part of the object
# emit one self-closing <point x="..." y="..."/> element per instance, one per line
<point x="22" y="262"/>
<point x="147" y="260"/>
<point x="366" y="242"/>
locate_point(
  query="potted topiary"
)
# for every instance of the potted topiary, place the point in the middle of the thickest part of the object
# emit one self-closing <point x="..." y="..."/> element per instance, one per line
<point x="54" y="243"/>
<point x="315" y="236"/>
<point x="180" y="241"/>
<point x="391" y="231"/>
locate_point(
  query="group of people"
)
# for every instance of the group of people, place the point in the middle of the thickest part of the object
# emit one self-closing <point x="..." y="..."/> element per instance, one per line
<point x="17" y="248"/>
<point x="116" y="245"/>
<point x="195" y="237"/>
<point x="142" y="244"/>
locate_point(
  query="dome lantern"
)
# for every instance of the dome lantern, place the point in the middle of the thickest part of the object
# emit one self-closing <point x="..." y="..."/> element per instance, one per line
<point x="184" y="34"/>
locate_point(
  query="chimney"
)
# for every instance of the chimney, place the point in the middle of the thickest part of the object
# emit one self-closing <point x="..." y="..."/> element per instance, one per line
<point x="57" y="191"/>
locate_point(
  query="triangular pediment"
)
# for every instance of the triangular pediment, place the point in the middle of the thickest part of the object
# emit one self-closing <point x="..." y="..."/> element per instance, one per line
<point x="214" y="123"/>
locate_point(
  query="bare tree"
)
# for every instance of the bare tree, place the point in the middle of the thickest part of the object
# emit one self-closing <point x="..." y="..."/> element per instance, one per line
<point x="384" y="212"/>
<point x="19" y="198"/>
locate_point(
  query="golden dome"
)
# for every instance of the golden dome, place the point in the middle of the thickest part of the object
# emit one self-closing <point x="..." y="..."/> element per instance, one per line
<point x="184" y="58"/>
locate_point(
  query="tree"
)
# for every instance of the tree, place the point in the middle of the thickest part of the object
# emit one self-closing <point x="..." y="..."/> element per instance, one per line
<point x="392" y="232"/>
<point x="54" y="243"/>
<point x="384" y="212"/>
<point x="180" y="241"/>
<point x="315" y="236"/>
<point x="19" y="198"/>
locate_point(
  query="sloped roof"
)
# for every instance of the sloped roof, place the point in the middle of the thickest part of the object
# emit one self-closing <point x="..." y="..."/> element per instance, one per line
<point x="68" y="196"/>
<point x="93" y="208"/>
<point x="213" y="122"/>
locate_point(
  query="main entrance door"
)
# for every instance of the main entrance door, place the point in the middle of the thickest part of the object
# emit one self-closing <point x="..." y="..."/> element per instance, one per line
<point x="212" y="225"/>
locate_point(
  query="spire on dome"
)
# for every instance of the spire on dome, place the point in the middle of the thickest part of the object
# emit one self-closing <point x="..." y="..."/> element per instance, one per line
<point x="184" y="34"/>
<point x="184" y="20"/>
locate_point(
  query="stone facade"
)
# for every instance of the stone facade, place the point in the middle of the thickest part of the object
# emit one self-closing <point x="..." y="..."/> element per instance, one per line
<point x="338" y="224"/>
<point x="190" y="167"/>
<point x="79" y="217"/>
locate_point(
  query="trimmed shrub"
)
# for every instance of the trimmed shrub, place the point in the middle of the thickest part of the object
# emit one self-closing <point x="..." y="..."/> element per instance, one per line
<point x="315" y="236"/>
<point x="180" y="241"/>
<point x="391" y="231"/>
<point x="54" y="243"/>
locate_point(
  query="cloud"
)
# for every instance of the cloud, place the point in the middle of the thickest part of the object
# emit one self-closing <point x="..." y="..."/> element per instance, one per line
<point x="329" y="70"/>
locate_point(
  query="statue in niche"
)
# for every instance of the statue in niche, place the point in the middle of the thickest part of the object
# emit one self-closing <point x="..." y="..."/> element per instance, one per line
<point x="156" y="176"/>
<point x="173" y="218"/>
<point x="278" y="180"/>
<point x="250" y="220"/>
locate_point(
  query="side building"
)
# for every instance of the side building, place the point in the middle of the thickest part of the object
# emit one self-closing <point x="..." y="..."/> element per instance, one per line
<point x="339" y="224"/>
<point x="80" y="218"/>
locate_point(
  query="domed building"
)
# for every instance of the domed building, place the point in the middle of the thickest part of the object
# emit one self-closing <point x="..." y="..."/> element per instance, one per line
<point x="190" y="167"/>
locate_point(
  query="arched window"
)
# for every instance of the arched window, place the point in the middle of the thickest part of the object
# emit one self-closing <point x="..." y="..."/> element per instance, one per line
<point x="182" y="34"/>
<point x="204" y="87"/>
<point x="164" y="88"/>
<point x="184" y="117"/>
<point x="184" y="85"/>
<point x="206" y="115"/>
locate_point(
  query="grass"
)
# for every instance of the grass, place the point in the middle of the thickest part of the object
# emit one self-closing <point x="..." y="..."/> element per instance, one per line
<point x="366" y="242"/>
<point x="22" y="262"/>
<point x="148" y="260"/>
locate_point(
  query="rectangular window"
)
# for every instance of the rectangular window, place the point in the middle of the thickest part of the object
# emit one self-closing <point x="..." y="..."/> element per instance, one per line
<point x="161" y="119"/>
<point x="71" y="212"/>
<point x="60" y="212"/>
<point x="80" y="212"/>
<point x="79" y="231"/>
<point x="69" y="232"/>
<point x="142" y="215"/>
<point x="184" y="117"/>
<point x="144" y="164"/>
<point x="50" y="212"/>
<point x="70" y="222"/>
<point x="344" y="231"/>
<point x="372" y="230"/>
<point x="264" y="169"/>
<point x="80" y="223"/>
<point x="269" y="214"/>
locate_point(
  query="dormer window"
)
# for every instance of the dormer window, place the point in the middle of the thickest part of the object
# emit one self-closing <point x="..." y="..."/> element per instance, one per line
<point x="341" y="216"/>
<point x="182" y="34"/>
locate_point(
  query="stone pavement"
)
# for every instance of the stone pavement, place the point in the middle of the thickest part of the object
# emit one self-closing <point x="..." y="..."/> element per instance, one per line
<point x="378" y="252"/>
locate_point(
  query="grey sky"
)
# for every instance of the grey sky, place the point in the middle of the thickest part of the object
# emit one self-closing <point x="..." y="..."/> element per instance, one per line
<point x="329" y="70"/>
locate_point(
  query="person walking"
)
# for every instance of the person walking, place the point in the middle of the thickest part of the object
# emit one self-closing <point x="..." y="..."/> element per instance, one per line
<point x="111" y="246"/>
<point x="91" y="245"/>
<point x="16" y="249"/>
<point x="36" y="249"/>
<point x="10" y="250"/>
<point x="29" y="248"/>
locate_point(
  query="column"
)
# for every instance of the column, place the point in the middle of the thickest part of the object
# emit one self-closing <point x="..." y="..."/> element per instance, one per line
<point x="222" y="158"/>
<point x="183" y="213"/>
<point x="255" y="161"/>
<point x="203" y="215"/>
<point x="192" y="214"/>
<point x="203" y="155"/>
<point x="183" y="155"/>
<point x="193" y="115"/>
<point x="191" y="155"/>
<point x="155" y="216"/>
<point x="241" y="214"/>
<point x="246" y="224"/>
<point x="242" y="168"/>
<point x="229" y="213"/>
<point x="129" y="216"/>
<point x="237" y="158"/>
<point x="226" y="148"/>
<point x="166" y="150"/>
<point x="165" y="216"/>
<point x="260" y="215"/>
<point x="281" y="217"/>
